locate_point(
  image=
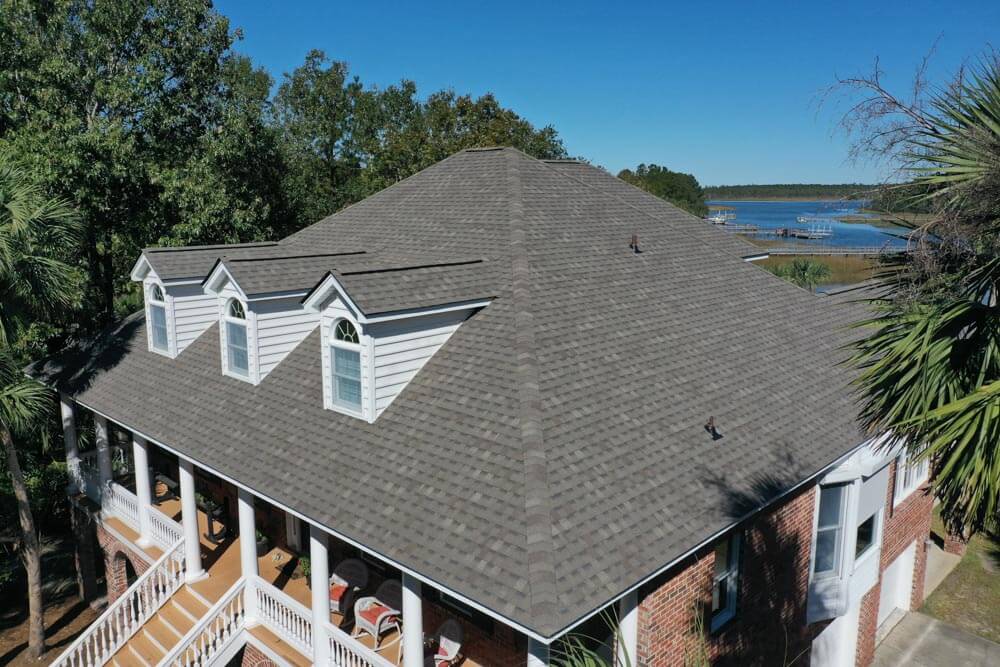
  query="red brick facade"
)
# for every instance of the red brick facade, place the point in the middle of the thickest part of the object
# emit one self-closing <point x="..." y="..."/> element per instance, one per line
<point x="253" y="657"/>
<point x="770" y="624"/>
<point x="769" y="627"/>
<point x="116" y="554"/>
<point x="503" y="647"/>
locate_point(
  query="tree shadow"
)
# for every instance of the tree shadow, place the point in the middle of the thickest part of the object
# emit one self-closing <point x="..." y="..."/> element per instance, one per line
<point x="74" y="369"/>
<point x="769" y="627"/>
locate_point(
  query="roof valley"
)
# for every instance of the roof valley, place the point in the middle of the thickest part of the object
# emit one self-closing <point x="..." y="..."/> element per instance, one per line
<point x="538" y="506"/>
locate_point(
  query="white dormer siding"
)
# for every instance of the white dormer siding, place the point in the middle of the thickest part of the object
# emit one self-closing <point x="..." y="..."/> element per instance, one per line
<point x="274" y="328"/>
<point x="392" y="353"/>
<point x="281" y="324"/>
<point x="193" y="312"/>
<point x="402" y="347"/>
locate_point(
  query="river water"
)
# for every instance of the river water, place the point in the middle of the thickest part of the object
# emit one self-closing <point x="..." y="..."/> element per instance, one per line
<point x="824" y="214"/>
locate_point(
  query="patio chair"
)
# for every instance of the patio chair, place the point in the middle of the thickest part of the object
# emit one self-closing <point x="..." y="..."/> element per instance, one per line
<point x="379" y="613"/>
<point x="444" y="647"/>
<point x="348" y="579"/>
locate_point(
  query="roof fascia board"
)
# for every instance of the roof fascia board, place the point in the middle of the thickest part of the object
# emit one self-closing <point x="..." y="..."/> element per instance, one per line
<point x="318" y="294"/>
<point x="427" y="580"/>
<point x="756" y="258"/>
<point x="713" y="537"/>
<point x="141" y="268"/>
<point x="435" y="310"/>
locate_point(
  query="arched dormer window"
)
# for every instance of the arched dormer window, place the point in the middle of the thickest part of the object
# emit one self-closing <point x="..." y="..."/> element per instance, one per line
<point x="345" y="356"/>
<point x="158" y="318"/>
<point x="238" y="360"/>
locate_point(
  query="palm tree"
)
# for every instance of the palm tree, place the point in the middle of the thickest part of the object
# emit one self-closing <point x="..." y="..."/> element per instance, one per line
<point x="930" y="362"/>
<point x="34" y="284"/>
<point x="805" y="273"/>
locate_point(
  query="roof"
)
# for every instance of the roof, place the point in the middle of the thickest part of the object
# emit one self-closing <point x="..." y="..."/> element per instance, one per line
<point x="190" y="262"/>
<point x="553" y="453"/>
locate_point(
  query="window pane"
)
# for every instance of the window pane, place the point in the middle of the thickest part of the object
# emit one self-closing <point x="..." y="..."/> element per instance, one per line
<point x="347" y="363"/>
<point x="866" y="536"/>
<point x="239" y="362"/>
<point x="826" y="550"/>
<point x="830" y="498"/>
<point x="720" y="595"/>
<point x="721" y="558"/>
<point x="158" y="315"/>
<point x="348" y="392"/>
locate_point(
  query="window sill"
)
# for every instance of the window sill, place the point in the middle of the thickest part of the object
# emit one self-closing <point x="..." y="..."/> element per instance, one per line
<point x="721" y="619"/>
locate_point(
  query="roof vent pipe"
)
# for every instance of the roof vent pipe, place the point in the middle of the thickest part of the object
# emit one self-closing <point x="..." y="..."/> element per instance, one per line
<point x="634" y="244"/>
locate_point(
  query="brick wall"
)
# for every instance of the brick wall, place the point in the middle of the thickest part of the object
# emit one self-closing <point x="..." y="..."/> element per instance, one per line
<point x="769" y="627"/>
<point x="503" y="647"/>
<point x="115" y="570"/>
<point x="909" y="522"/>
<point x="253" y="657"/>
<point x="867" y="624"/>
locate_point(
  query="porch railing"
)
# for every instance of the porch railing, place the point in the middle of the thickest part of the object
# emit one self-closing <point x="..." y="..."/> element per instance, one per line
<point x="284" y="616"/>
<point x="163" y="529"/>
<point x="90" y="473"/>
<point x="122" y="503"/>
<point x="346" y="651"/>
<point x="128" y="613"/>
<point x="214" y="633"/>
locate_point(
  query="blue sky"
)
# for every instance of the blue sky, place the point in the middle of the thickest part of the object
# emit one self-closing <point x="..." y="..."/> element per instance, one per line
<point x="726" y="91"/>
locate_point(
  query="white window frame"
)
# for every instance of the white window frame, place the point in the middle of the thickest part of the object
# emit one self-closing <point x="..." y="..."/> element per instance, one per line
<point x="876" y="538"/>
<point x="731" y="574"/>
<point x="160" y="303"/>
<point x="334" y="343"/>
<point x="227" y="319"/>
<point x="840" y="527"/>
<point x="901" y="490"/>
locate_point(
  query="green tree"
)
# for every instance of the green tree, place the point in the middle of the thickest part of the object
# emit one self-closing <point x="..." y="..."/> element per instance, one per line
<point x="805" y="273"/>
<point x="108" y="102"/>
<point x="930" y="357"/>
<point x="34" y="284"/>
<point x="679" y="189"/>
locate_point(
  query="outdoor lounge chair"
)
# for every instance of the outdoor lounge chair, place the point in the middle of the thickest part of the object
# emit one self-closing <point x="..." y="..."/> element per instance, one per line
<point x="444" y="646"/>
<point x="379" y="613"/>
<point x="348" y="579"/>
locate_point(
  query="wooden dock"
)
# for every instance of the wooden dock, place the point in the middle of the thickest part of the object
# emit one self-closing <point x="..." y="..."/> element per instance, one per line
<point x="834" y="250"/>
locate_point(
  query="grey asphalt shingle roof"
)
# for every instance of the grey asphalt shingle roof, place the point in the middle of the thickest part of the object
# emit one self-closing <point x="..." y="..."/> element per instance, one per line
<point x="553" y="452"/>
<point x="176" y="263"/>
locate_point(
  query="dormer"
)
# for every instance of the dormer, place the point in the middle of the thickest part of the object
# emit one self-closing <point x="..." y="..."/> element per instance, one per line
<point x="173" y="296"/>
<point x="379" y="326"/>
<point x="258" y="304"/>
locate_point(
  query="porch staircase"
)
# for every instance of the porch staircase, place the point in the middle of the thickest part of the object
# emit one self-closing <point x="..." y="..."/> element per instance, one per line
<point x="164" y="630"/>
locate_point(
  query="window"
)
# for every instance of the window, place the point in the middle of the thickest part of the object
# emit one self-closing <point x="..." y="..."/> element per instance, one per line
<point x="866" y="536"/>
<point x="725" y="580"/>
<point x="910" y="474"/>
<point x="345" y="358"/>
<point x="158" y="318"/>
<point x="832" y="500"/>
<point x="236" y="339"/>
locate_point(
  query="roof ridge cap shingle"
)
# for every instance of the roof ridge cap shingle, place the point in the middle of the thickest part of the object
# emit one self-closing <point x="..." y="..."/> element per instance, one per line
<point x="542" y="594"/>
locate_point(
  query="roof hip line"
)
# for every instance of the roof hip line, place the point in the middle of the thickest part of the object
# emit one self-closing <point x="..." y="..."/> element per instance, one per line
<point x="537" y="501"/>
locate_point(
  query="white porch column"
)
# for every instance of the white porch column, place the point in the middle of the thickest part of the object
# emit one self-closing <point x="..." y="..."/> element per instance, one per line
<point x="318" y="561"/>
<point x="413" y="623"/>
<point x="628" y="630"/>
<point x="71" y="442"/>
<point x="538" y="654"/>
<point x="103" y="450"/>
<point x="143" y="488"/>
<point x="189" y="518"/>
<point x="248" y="551"/>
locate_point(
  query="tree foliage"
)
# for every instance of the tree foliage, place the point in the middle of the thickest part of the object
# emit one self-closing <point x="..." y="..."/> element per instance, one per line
<point x="805" y="273"/>
<point x="929" y="361"/>
<point x="679" y="189"/>
<point x="790" y="191"/>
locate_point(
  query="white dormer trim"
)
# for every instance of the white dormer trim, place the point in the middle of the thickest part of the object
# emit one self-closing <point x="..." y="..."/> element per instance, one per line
<point x="219" y="278"/>
<point x="249" y="323"/>
<point x="317" y="299"/>
<point x="151" y="286"/>
<point x="338" y="311"/>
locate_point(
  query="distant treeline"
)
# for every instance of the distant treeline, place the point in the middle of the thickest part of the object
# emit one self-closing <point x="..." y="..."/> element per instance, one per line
<point x="676" y="187"/>
<point x="790" y="191"/>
